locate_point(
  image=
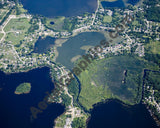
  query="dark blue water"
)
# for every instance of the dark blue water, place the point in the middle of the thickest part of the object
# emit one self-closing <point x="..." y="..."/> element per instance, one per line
<point x="114" y="115"/>
<point x="118" y="3"/>
<point x="133" y="2"/>
<point x="52" y="23"/>
<point x="42" y="45"/>
<point x="52" y="8"/>
<point x="15" y="109"/>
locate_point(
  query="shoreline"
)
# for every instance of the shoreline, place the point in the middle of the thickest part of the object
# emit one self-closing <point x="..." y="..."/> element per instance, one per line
<point x="18" y="93"/>
<point x="59" y="42"/>
<point x="152" y="115"/>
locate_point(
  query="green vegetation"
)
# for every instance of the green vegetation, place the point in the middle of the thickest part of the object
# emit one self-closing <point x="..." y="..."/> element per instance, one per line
<point x="66" y="100"/>
<point x="1" y="35"/>
<point x="17" y="24"/>
<point x="16" y="31"/>
<point x="4" y="8"/>
<point x="117" y="77"/>
<point x="61" y="121"/>
<point x="153" y="47"/>
<point x="73" y="89"/>
<point x="153" y="79"/>
<point x="69" y="24"/>
<point x="23" y="88"/>
<point x="57" y="23"/>
<point x="152" y="11"/>
<point x="34" y="24"/>
<point x="6" y="16"/>
<point x="135" y="22"/>
<point x="107" y="19"/>
<point x="152" y="52"/>
<point x="79" y="123"/>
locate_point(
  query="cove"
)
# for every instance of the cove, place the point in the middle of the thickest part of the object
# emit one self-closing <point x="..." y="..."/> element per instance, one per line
<point x="73" y="47"/>
<point x="52" y="8"/>
<point x="113" y="114"/>
<point x="15" y="109"/>
<point x="42" y="45"/>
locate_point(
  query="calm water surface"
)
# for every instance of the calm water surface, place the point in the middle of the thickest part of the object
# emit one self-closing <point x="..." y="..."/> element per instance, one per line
<point x="118" y="3"/>
<point x="114" y="115"/>
<point x="72" y="47"/>
<point x="15" y="109"/>
<point x="52" y="8"/>
<point x="133" y="2"/>
<point x="42" y="45"/>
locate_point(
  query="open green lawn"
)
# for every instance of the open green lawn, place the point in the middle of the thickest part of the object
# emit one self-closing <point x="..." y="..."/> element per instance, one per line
<point x="107" y="19"/>
<point x="15" y="38"/>
<point x="1" y="35"/>
<point x="21" y="24"/>
<point x="58" y="23"/>
<point x="152" y="52"/>
<point x="135" y="23"/>
<point x="16" y="30"/>
<point x="115" y="77"/>
<point x="154" y="47"/>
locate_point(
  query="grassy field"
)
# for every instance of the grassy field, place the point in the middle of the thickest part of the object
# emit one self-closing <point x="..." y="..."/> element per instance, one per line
<point x="154" y="47"/>
<point x="58" y="23"/>
<point x="1" y="35"/>
<point x="16" y="30"/>
<point x="152" y="52"/>
<point x="107" y="19"/>
<point x="21" y="24"/>
<point x="115" y="77"/>
<point x="135" y="22"/>
<point x="153" y="79"/>
<point x="15" y="38"/>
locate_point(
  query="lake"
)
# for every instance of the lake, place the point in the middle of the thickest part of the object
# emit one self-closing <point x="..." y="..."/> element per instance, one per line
<point x="15" y="109"/>
<point x="133" y="2"/>
<point x="114" y="115"/>
<point x="42" y="45"/>
<point x="75" y="46"/>
<point x="52" y="8"/>
<point x="118" y="3"/>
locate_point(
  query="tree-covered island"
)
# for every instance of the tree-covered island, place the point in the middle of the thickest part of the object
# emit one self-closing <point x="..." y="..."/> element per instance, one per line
<point x="23" y="88"/>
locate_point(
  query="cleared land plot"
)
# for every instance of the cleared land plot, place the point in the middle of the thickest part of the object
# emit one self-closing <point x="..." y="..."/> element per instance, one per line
<point x="15" y="38"/>
<point x="154" y="47"/>
<point x="16" y="30"/>
<point x="107" y="19"/>
<point x="21" y="24"/>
